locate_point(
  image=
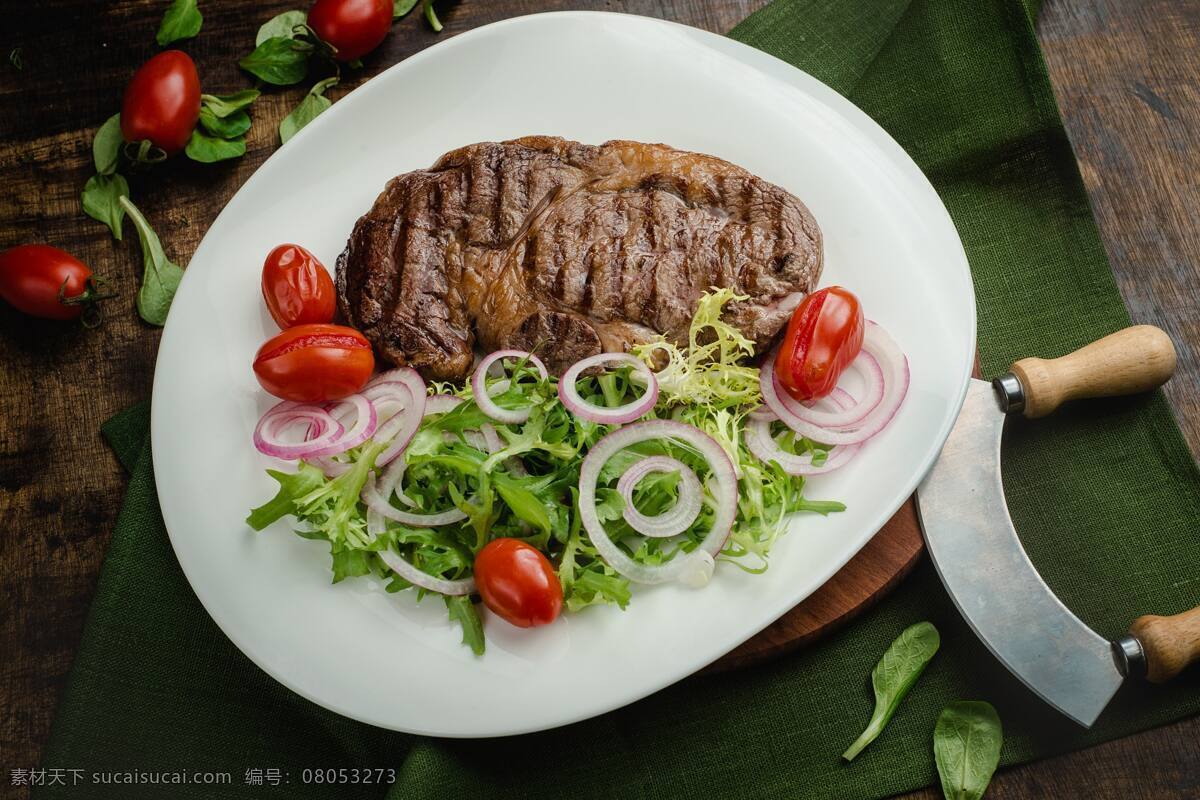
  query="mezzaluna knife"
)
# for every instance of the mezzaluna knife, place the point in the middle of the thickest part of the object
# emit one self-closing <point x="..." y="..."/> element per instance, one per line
<point x="979" y="557"/>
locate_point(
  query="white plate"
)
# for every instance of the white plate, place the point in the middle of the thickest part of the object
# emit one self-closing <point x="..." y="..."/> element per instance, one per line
<point x="383" y="659"/>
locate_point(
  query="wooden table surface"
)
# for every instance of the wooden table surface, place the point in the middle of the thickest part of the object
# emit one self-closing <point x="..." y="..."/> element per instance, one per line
<point x="1127" y="75"/>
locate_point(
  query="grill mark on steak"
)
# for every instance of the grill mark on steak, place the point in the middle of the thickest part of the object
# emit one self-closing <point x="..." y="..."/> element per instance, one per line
<point x="570" y="248"/>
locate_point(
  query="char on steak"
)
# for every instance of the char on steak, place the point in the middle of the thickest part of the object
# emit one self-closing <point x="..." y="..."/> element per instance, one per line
<point x="568" y="249"/>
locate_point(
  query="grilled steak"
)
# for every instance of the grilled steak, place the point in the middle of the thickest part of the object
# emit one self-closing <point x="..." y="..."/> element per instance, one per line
<point x="568" y="249"/>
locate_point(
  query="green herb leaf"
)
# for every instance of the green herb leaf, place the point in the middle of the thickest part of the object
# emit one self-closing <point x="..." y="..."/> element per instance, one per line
<point x="182" y="21"/>
<point x="14" y="58"/>
<point x="281" y="26"/>
<point x="292" y="486"/>
<point x="462" y="611"/>
<point x="160" y="276"/>
<point x="312" y="106"/>
<point x="894" y="675"/>
<point x="966" y="746"/>
<point x="223" y="105"/>
<point x="432" y="17"/>
<point x="208" y="149"/>
<point x="230" y="127"/>
<point x="106" y="147"/>
<point x="279" y="60"/>
<point x="402" y="7"/>
<point x="349" y="562"/>
<point x="102" y="200"/>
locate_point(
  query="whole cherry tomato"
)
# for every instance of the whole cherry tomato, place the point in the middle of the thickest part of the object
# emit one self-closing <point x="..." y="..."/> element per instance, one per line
<point x="297" y="287"/>
<point x="517" y="583"/>
<point x="162" y="102"/>
<point x="353" y="27"/>
<point x="314" y="363"/>
<point x="45" y="282"/>
<point x="823" y="337"/>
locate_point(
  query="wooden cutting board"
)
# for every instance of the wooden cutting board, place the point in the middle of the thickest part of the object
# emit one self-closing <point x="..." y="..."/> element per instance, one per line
<point x="869" y="576"/>
<point x="866" y="578"/>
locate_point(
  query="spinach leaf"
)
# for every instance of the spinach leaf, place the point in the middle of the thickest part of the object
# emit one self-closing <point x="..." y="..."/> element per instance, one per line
<point x="230" y="127"/>
<point x="313" y="105"/>
<point x="462" y="611"/>
<point x="208" y="149"/>
<point x="224" y="105"/>
<point x="402" y="7"/>
<point x="904" y="661"/>
<point x="182" y="21"/>
<point x="160" y="276"/>
<point x="281" y="26"/>
<point x="106" y="147"/>
<point x="101" y="200"/>
<point x="966" y="746"/>
<point x="279" y="60"/>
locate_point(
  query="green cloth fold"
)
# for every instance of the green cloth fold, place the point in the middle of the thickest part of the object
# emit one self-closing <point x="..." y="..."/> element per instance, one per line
<point x="1106" y="496"/>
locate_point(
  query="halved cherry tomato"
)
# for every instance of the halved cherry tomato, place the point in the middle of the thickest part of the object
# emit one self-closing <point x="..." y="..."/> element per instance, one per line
<point x="46" y="282"/>
<point x="314" y="363"/>
<point x="353" y="27"/>
<point x="517" y="583"/>
<point x="823" y="337"/>
<point x="162" y="102"/>
<point x="297" y="287"/>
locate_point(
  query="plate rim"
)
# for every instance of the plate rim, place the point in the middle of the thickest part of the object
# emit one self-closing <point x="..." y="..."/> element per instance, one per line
<point x="773" y="68"/>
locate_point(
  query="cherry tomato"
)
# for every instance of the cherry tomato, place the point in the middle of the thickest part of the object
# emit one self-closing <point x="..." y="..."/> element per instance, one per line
<point x="162" y="102"/>
<point x="353" y="27"/>
<point x="45" y="282"/>
<point x="314" y="363"/>
<point x="517" y="583"/>
<point x="297" y="287"/>
<point x="823" y="337"/>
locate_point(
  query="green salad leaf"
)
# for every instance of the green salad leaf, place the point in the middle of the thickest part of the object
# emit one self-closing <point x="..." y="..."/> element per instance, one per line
<point x="182" y="20"/>
<point x="106" y="147"/>
<point x="901" y="665"/>
<point x="101" y="200"/>
<point x="279" y="60"/>
<point x="313" y="105"/>
<point x="224" y="105"/>
<point x="282" y="26"/>
<point x="160" y="275"/>
<point x="966" y="747"/>
<point x="528" y="488"/>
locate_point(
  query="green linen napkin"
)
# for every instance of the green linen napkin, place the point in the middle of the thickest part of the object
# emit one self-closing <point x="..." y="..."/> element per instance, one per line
<point x="1105" y="494"/>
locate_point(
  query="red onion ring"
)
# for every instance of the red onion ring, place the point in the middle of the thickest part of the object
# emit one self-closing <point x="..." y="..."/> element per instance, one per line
<point x="332" y="468"/>
<point x="322" y="429"/>
<point x="410" y="572"/>
<point x="377" y="500"/>
<point x="570" y="397"/>
<point x="366" y="421"/>
<point x="326" y="436"/>
<point x="878" y="344"/>
<point x="405" y="387"/>
<point x="724" y="492"/>
<point x="762" y="444"/>
<point x="842" y="418"/>
<point x="674" y="520"/>
<point x="441" y="403"/>
<point x="509" y="416"/>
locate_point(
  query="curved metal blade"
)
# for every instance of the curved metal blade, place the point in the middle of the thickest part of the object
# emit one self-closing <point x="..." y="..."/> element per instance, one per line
<point x="980" y="559"/>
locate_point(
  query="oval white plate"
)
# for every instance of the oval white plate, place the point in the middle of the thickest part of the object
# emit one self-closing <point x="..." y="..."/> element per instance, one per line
<point x="384" y="659"/>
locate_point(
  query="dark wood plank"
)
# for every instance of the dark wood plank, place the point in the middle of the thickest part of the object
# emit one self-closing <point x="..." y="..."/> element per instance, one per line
<point x="1127" y="79"/>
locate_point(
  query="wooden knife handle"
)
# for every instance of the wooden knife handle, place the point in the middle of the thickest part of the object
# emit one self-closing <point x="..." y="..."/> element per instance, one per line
<point x="1169" y="644"/>
<point x="1133" y="360"/>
